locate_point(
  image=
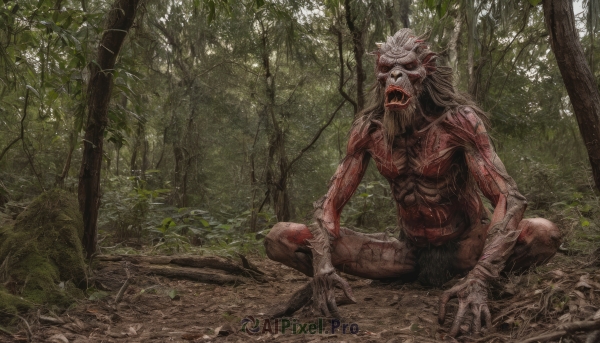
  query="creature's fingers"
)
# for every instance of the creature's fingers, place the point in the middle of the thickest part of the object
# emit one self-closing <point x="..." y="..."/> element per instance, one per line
<point x="345" y="287"/>
<point x="446" y="296"/>
<point x="331" y="304"/>
<point x="324" y="308"/>
<point x="460" y="315"/>
<point x="320" y="301"/>
<point x="487" y="315"/>
<point x="476" y="309"/>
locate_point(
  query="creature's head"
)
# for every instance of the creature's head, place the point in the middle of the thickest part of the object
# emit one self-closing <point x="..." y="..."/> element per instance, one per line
<point x="410" y="87"/>
<point x="404" y="61"/>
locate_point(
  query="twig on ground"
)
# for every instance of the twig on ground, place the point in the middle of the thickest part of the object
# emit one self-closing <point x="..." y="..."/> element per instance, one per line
<point x="126" y="284"/>
<point x="29" y="333"/>
<point x="51" y="320"/>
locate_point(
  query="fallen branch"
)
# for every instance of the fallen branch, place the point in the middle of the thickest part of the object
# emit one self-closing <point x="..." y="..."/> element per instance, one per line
<point x="212" y="262"/>
<point x="193" y="274"/>
<point x="208" y="262"/>
<point x="565" y="329"/>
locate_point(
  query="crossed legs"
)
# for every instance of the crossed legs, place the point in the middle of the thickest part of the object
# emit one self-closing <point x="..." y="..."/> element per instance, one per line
<point x="376" y="256"/>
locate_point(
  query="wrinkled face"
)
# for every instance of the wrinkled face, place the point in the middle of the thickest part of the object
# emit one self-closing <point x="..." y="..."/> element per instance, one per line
<point x="400" y="72"/>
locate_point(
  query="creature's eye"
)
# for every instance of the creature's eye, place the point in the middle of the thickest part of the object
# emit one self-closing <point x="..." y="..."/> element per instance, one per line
<point x="410" y="66"/>
<point x="384" y="68"/>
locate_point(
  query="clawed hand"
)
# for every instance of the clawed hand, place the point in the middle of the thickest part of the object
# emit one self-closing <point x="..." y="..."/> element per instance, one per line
<point x="472" y="295"/>
<point x="324" y="293"/>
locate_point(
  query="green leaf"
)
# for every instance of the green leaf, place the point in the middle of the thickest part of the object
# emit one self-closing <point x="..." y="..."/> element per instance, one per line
<point x="585" y="222"/>
<point x="534" y="2"/>
<point x="172" y="294"/>
<point x="98" y="295"/>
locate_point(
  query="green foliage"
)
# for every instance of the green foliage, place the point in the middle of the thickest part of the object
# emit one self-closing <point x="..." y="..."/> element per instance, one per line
<point x="212" y="98"/>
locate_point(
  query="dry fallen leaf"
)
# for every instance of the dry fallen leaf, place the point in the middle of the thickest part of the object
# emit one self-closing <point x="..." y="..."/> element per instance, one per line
<point x="131" y="332"/>
<point x="58" y="338"/>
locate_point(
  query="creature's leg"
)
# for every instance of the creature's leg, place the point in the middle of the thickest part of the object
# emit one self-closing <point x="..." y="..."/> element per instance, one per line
<point x="369" y="256"/>
<point x="538" y="241"/>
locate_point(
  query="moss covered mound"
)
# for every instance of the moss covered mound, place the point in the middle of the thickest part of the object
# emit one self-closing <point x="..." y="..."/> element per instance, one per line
<point x="41" y="255"/>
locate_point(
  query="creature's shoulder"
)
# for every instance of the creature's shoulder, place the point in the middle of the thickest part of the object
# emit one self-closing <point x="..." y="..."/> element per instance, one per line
<point x="364" y="133"/>
<point x="464" y="122"/>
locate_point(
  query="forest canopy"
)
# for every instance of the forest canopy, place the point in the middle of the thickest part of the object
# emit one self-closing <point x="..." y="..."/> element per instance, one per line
<point x="226" y="117"/>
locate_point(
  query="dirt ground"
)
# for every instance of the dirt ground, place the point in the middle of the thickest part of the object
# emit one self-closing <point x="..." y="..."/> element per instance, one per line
<point x="160" y="309"/>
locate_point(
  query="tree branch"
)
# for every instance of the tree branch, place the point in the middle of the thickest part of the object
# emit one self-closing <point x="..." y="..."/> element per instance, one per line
<point x="22" y="128"/>
<point x="342" y="82"/>
<point x="316" y="137"/>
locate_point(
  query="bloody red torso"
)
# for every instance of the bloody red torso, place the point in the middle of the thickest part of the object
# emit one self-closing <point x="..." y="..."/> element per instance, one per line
<point x="429" y="178"/>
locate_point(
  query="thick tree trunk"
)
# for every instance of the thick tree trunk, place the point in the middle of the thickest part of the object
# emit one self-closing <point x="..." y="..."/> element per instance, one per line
<point x="119" y="20"/>
<point x="577" y="76"/>
<point x="402" y="11"/>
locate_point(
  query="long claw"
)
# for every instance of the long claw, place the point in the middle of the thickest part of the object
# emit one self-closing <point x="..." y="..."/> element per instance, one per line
<point x="462" y="308"/>
<point x="442" y="310"/>
<point x="345" y="287"/>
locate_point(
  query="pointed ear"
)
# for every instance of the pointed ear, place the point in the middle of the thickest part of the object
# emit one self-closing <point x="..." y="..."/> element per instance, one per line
<point x="429" y="62"/>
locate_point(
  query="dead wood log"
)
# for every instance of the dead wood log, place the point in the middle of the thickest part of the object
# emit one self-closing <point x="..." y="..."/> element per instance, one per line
<point x="192" y="274"/>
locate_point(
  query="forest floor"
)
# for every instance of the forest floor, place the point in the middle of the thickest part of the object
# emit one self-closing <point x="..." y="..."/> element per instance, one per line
<point x="162" y="309"/>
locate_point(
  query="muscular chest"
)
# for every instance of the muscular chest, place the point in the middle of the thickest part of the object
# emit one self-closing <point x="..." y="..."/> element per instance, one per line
<point x="429" y="155"/>
<point x="426" y="168"/>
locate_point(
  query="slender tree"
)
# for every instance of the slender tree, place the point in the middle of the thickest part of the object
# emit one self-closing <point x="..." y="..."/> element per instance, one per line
<point x="118" y="22"/>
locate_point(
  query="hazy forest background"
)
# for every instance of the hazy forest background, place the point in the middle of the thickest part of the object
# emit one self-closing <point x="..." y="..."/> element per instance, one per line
<point x="226" y="117"/>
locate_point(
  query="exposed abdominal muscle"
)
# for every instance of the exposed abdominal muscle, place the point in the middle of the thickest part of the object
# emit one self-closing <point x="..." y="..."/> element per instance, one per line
<point x="426" y="176"/>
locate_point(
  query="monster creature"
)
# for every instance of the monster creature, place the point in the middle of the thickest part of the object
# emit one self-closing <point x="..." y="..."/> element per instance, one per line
<point x="431" y="144"/>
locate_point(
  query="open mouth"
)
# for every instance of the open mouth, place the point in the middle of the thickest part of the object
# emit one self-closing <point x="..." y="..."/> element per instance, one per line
<point x="396" y="98"/>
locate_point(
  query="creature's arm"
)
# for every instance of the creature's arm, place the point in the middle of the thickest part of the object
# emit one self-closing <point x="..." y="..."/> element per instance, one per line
<point x="327" y="227"/>
<point x="343" y="184"/>
<point x="495" y="183"/>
